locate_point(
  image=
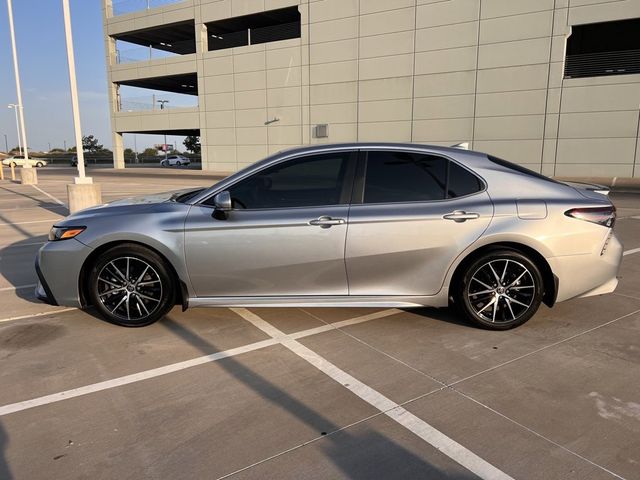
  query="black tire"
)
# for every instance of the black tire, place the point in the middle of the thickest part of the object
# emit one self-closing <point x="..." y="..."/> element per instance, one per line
<point x="495" y="290"/>
<point x="178" y="163"/>
<point x="143" y="304"/>
<point x="14" y="164"/>
<point x="39" y="165"/>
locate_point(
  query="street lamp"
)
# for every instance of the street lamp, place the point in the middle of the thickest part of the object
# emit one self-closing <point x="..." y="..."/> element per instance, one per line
<point x="6" y="143"/>
<point x="31" y="177"/>
<point x="164" y="147"/>
<point x="15" y="109"/>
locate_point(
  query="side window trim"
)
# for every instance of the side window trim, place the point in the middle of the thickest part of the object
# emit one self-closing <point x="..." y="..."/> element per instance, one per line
<point x="357" y="197"/>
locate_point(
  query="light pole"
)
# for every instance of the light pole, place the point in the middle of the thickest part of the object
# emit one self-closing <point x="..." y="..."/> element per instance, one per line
<point x="83" y="193"/>
<point x="31" y="177"/>
<point x="6" y="143"/>
<point x="15" y="109"/>
<point x="164" y="147"/>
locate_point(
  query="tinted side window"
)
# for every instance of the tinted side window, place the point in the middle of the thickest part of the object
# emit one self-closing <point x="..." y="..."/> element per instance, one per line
<point x="315" y="180"/>
<point x="404" y="177"/>
<point x="461" y="182"/>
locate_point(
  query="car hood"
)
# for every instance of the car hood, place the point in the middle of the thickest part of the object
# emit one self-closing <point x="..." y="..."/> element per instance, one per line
<point x="149" y="199"/>
<point x="125" y="206"/>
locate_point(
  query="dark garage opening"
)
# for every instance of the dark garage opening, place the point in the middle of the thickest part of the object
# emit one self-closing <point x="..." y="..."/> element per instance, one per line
<point x="270" y="26"/>
<point x="606" y="48"/>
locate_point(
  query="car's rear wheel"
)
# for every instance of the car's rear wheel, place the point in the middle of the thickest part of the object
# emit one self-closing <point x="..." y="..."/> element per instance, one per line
<point x="131" y="286"/>
<point x="39" y="164"/>
<point x="500" y="290"/>
<point x="14" y="164"/>
<point x="178" y="163"/>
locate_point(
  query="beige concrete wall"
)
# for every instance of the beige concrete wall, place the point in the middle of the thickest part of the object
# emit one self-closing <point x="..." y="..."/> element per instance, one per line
<point x="489" y="72"/>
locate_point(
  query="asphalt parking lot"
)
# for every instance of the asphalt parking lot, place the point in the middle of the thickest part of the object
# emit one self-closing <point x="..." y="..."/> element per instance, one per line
<point x="308" y="393"/>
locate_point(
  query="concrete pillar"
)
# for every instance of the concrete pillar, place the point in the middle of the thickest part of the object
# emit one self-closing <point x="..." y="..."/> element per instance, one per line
<point x="28" y="176"/>
<point x="83" y="195"/>
<point x="118" y="150"/>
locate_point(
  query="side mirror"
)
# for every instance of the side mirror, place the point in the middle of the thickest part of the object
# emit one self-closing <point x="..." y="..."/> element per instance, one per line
<point x="222" y="201"/>
<point x="222" y="204"/>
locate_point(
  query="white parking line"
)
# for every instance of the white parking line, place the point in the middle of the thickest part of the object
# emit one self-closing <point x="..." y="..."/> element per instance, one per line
<point x="18" y="208"/>
<point x="391" y="409"/>
<point x="51" y="221"/>
<point x="127" y="379"/>
<point x="50" y="196"/>
<point x="35" y="315"/>
<point x="19" y="287"/>
<point x="156" y="372"/>
<point x="631" y="252"/>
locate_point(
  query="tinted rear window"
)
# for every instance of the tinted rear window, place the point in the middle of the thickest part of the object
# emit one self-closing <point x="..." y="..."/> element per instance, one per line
<point x="404" y="177"/>
<point x="519" y="168"/>
<point x="461" y="182"/>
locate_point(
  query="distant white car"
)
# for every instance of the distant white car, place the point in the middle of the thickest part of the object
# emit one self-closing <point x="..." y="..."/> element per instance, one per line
<point x="176" y="160"/>
<point x="18" y="161"/>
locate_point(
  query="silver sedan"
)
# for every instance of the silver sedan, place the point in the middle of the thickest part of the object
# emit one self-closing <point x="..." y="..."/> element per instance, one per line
<point x="376" y="225"/>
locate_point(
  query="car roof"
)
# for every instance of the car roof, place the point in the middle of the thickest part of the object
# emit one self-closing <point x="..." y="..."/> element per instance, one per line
<point x="450" y="150"/>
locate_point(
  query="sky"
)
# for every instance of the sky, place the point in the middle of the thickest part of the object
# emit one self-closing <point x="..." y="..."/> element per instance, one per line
<point x="44" y="74"/>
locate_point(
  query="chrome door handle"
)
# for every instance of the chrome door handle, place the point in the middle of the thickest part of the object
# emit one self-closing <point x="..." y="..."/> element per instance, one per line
<point x="326" y="222"/>
<point x="461" y="216"/>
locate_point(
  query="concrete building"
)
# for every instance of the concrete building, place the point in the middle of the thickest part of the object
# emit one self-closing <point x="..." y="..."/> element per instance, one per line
<point x="551" y="84"/>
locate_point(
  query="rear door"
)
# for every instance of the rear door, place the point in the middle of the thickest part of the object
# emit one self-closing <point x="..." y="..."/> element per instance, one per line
<point x="412" y="215"/>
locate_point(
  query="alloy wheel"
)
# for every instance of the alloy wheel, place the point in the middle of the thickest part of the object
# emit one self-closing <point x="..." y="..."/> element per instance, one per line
<point x="501" y="291"/>
<point x="129" y="288"/>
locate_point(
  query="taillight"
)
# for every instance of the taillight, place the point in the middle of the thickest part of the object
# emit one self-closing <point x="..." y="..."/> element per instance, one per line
<point x="605" y="216"/>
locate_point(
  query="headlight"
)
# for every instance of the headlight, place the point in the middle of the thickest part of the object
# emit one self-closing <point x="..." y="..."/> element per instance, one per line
<point x="64" y="233"/>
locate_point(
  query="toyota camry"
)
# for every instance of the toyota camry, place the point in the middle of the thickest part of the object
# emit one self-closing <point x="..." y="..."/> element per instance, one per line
<point x="349" y="225"/>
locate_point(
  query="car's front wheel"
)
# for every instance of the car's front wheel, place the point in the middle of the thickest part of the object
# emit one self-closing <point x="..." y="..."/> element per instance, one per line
<point x="500" y="290"/>
<point x="39" y="164"/>
<point x="131" y="286"/>
<point x="178" y="163"/>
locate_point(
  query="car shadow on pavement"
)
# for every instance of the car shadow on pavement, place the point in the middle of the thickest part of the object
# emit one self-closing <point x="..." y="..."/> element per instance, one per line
<point x="362" y="455"/>
<point x="50" y="206"/>
<point x="17" y="264"/>
<point x="5" y="472"/>
<point x="448" y="315"/>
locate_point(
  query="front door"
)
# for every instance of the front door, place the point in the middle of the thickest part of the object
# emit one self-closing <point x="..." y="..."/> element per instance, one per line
<point x="414" y="215"/>
<point x="285" y="235"/>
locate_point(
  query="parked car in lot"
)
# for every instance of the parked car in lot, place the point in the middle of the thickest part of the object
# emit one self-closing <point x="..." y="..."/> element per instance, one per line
<point x="174" y="160"/>
<point x="19" y="161"/>
<point x="74" y="161"/>
<point x="372" y="224"/>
